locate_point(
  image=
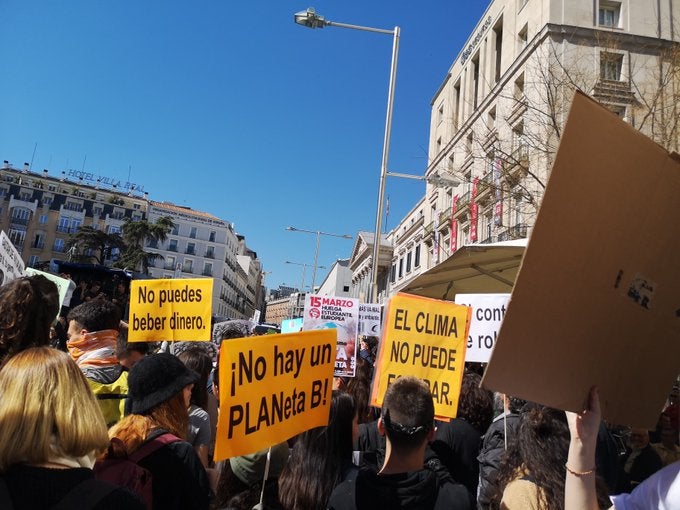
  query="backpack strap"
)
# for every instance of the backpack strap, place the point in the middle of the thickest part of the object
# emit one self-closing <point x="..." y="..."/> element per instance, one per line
<point x="85" y="495"/>
<point x="5" y="499"/>
<point x="151" y="446"/>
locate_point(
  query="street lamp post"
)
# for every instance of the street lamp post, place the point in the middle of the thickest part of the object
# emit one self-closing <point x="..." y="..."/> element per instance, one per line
<point x="316" y="250"/>
<point x="310" y="19"/>
<point x="304" y="270"/>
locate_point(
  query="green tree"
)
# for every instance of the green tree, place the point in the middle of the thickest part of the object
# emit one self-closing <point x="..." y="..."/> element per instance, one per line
<point x="98" y="242"/>
<point x="135" y="234"/>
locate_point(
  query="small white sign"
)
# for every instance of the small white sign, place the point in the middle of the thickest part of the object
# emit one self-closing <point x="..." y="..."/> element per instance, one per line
<point x="488" y="311"/>
<point x="11" y="265"/>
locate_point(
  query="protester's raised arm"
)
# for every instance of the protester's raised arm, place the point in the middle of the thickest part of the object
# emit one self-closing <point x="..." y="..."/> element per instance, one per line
<point x="579" y="486"/>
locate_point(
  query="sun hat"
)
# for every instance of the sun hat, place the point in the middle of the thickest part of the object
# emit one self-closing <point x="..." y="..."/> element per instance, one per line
<point x="250" y="468"/>
<point x="155" y="379"/>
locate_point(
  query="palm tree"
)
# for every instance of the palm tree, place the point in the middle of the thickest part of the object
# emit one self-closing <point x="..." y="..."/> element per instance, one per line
<point x="135" y="235"/>
<point x="98" y="241"/>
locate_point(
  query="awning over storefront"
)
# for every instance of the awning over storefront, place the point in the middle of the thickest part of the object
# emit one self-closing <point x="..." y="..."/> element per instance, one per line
<point x="477" y="268"/>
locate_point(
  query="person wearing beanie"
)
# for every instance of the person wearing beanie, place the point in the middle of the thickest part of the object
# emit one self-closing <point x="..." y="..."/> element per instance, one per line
<point x="158" y="398"/>
<point x="240" y="482"/>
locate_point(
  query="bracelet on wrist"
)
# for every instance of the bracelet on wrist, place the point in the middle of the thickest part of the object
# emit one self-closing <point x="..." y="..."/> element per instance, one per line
<point x="579" y="473"/>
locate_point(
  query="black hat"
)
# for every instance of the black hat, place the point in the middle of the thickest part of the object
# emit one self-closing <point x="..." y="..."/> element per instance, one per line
<point x="156" y="379"/>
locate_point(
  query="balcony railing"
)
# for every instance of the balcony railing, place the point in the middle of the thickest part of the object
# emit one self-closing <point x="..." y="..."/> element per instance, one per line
<point x="19" y="221"/>
<point x="518" y="231"/>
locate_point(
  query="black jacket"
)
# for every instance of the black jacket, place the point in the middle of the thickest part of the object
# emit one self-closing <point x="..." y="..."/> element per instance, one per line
<point x="493" y="448"/>
<point x="179" y="479"/>
<point x="38" y="488"/>
<point x="417" y="490"/>
<point x="457" y="445"/>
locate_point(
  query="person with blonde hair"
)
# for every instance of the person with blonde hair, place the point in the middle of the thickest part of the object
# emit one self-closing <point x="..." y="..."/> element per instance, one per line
<point x="52" y="431"/>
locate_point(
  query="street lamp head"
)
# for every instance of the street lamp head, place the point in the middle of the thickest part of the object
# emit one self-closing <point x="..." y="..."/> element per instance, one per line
<point x="310" y="19"/>
<point x="443" y="181"/>
<point x="293" y="229"/>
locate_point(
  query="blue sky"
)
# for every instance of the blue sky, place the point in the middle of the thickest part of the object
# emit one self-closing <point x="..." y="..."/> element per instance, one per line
<point x="231" y="108"/>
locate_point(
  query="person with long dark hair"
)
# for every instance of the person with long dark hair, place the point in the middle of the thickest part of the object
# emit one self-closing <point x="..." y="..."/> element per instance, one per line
<point x="532" y="474"/>
<point x="321" y="458"/>
<point x="28" y="307"/>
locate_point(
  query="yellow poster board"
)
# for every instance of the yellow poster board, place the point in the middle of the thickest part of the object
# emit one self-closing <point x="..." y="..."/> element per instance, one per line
<point x="424" y="338"/>
<point x="178" y="310"/>
<point x="272" y="388"/>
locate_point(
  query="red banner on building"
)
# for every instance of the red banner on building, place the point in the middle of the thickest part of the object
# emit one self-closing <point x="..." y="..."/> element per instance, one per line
<point x="454" y="225"/>
<point x="498" y="206"/>
<point x="473" y="211"/>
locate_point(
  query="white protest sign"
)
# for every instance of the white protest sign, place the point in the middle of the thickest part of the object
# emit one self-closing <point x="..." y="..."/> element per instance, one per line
<point x="369" y="319"/>
<point x="11" y="265"/>
<point x="488" y="311"/>
<point x="323" y="312"/>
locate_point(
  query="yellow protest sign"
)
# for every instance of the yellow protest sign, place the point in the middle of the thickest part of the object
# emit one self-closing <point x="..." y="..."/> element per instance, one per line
<point x="272" y="388"/>
<point x="425" y="338"/>
<point x="170" y="310"/>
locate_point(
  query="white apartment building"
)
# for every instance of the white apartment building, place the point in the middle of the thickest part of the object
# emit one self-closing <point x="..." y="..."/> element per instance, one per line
<point x="498" y="115"/>
<point x="201" y="245"/>
<point x="338" y="281"/>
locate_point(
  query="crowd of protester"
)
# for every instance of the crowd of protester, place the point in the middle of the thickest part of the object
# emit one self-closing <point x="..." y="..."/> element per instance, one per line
<point x="111" y="424"/>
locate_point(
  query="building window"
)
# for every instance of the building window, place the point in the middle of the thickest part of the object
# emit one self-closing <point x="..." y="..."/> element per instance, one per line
<point x="401" y="267"/>
<point x="172" y="245"/>
<point x="43" y="219"/>
<point x="207" y="269"/>
<point x="440" y="113"/>
<point x="522" y="37"/>
<point x="393" y="273"/>
<point x="169" y="262"/>
<point x="33" y="261"/>
<point x="175" y="230"/>
<point x="408" y="262"/>
<point x="611" y="65"/>
<point x="416" y="257"/>
<point x="192" y="233"/>
<point x="618" y="110"/>
<point x="188" y="266"/>
<point x="191" y="249"/>
<point x="475" y="80"/>
<point x="498" y="36"/>
<point x="345" y="288"/>
<point x="211" y="238"/>
<point x="97" y="211"/>
<point x="519" y="88"/>
<point x="136" y="206"/>
<point x="58" y="245"/>
<point x="47" y="200"/>
<point x="210" y="252"/>
<point x="609" y="14"/>
<point x="113" y="229"/>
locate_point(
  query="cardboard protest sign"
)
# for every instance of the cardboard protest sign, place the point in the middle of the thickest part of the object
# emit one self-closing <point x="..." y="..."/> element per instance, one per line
<point x="370" y="315"/>
<point x="425" y="338"/>
<point x="488" y="311"/>
<point x="341" y="314"/>
<point x="177" y="309"/>
<point x="273" y="388"/>
<point x="596" y="300"/>
<point x="61" y="283"/>
<point x="11" y="264"/>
